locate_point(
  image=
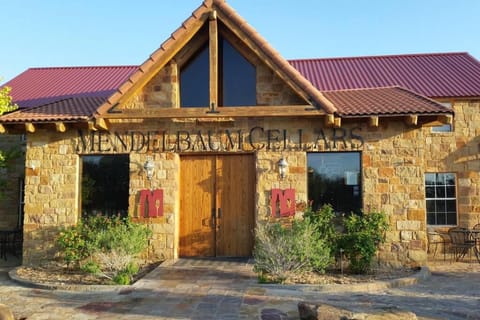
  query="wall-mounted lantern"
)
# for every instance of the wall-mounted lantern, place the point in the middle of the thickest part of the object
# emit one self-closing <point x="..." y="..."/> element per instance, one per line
<point x="282" y="168"/>
<point x="149" y="168"/>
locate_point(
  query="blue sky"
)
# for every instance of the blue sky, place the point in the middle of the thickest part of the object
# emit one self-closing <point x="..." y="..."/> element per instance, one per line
<point x="43" y="33"/>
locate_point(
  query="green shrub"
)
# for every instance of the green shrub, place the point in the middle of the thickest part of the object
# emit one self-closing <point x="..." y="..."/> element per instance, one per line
<point x="72" y="245"/>
<point x="280" y="251"/>
<point x="122" y="278"/>
<point x="323" y="222"/>
<point x="362" y="236"/>
<point x="125" y="276"/>
<point x="91" y="267"/>
<point x="122" y="234"/>
<point x="107" y="244"/>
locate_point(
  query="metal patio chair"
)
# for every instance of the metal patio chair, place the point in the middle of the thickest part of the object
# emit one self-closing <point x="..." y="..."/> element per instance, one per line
<point x="476" y="235"/>
<point x="460" y="242"/>
<point x="434" y="240"/>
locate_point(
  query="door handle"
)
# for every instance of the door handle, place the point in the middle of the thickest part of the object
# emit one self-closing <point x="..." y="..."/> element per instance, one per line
<point x="213" y="217"/>
<point x="219" y="213"/>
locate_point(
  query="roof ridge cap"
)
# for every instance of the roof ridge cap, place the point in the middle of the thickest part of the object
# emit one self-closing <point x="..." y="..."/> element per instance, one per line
<point x="362" y="89"/>
<point x="386" y="56"/>
<point x="84" y="67"/>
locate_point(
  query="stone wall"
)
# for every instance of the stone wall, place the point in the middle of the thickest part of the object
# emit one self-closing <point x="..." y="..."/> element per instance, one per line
<point x="272" y="91"/>
<point x="459" y="152"/>
<point x="395" y="158"/>
<point x="51" y="192"/>
<point x="166" y="177"/>
<point x="162" y="90"/>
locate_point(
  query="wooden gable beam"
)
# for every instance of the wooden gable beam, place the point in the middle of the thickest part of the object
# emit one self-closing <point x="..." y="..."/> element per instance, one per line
<point x="213" y="57"/>
<point x="264" y="57"/>
<point x="151" y="67"/>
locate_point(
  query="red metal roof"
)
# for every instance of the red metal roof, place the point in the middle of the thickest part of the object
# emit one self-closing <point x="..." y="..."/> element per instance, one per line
<point x="37" y="86"/>
<point x="382" y="101"/>
<point x="55" y="93"/>
<point x="69" y="109"/>
<point x="438" y="75"/>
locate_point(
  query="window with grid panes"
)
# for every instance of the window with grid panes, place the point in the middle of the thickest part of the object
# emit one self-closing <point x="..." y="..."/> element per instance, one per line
<point x="441" y="200"/>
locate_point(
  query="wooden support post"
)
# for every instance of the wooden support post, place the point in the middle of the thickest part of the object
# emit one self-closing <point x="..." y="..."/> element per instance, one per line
<point x="373" y="121"/>
<point x="213" y="54"/>
<point x="29" y="127"/>
<point x="60" y="126"/>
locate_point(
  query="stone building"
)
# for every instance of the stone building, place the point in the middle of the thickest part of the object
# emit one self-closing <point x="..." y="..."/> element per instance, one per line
<point x="215" y="131"/>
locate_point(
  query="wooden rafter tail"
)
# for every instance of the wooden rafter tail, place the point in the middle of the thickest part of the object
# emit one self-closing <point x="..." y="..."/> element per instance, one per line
<point x="100" y="123"/>
<point x="412" y="119"/>
<point x="337" y="122"/>
<point x="329" y="120"/>
<point x="447" y="119"/>
<point x="91" y="126"/>
<point x="60" y="127"/>
<point x="373" y="121"/>
<point x="30" y="127"/>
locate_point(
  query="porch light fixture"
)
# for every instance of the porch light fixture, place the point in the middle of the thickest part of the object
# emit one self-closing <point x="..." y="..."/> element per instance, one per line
<point x="149" y="167"/>
<point x="282" y="168"/>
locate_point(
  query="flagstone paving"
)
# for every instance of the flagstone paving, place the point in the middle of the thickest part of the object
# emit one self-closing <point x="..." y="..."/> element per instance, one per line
<point x="214" y="289"/>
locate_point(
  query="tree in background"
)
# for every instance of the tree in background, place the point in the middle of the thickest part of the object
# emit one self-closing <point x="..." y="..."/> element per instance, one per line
<point x="6" y="105"/>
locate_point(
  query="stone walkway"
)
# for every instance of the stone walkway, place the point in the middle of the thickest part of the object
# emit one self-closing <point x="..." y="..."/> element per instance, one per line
<point x="215" y="289"/>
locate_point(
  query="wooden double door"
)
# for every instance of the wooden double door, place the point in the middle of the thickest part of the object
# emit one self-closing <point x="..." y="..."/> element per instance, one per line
<point x="217" y="205"/>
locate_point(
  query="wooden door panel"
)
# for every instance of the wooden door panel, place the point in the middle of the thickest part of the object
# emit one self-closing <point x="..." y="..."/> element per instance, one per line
<point x="197" y="228"/>
<point x="235" y="176"/>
